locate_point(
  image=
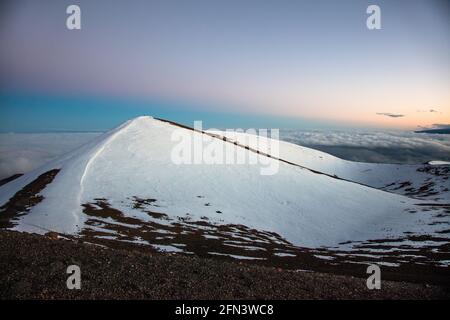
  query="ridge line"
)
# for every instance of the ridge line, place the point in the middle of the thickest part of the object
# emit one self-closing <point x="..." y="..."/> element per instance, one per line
<point x="225" y="139"/>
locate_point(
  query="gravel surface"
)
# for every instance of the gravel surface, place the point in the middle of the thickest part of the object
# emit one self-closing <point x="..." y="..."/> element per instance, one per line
<point x="34" y="267"/>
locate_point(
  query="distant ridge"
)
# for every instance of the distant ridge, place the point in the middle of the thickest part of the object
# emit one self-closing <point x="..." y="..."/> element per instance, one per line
<point x="437" y="131"/>
<point x="10" y="178"/>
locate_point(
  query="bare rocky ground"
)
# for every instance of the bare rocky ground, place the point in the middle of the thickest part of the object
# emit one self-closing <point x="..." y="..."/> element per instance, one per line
<point x="34" y="267"/>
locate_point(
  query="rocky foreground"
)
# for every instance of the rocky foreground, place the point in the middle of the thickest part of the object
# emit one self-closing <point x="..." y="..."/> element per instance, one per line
<point x="34" y="267"/>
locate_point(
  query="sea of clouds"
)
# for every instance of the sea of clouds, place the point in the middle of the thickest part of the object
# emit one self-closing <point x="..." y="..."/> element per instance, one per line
<point x="375" y="146"/>
<point x="22" y="152"/>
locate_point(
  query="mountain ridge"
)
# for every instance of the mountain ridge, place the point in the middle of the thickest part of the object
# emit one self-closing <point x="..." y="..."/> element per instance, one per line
<point x="125" y="179"/>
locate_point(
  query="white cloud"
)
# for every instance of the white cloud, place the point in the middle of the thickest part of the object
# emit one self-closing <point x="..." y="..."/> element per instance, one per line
<point x="373" y="146"/>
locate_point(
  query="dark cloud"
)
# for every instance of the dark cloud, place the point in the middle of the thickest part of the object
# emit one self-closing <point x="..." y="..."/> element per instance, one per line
<point x="440" y="126"/>
<point x="392" y="115"/>
<point x="430" y="110"/>
<point x="436" y="128"/>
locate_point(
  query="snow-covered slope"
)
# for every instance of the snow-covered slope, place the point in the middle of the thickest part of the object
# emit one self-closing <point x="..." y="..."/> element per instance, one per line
<point x="427" y="181"/>
<point x="134" y="161"/>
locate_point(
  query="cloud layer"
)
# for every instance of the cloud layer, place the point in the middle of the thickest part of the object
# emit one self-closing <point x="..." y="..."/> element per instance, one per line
<point x="388" y="147"/>
<point x="20" y="153"/>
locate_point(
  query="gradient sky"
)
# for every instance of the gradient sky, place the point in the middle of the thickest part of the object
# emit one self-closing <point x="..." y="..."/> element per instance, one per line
<point x="312" y="61"/>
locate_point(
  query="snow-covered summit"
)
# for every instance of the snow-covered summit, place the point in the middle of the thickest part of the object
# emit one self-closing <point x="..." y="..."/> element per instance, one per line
<point x="128" y="175"/>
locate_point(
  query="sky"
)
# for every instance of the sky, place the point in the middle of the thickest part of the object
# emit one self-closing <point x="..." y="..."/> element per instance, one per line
<point x="264" y="63"/>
